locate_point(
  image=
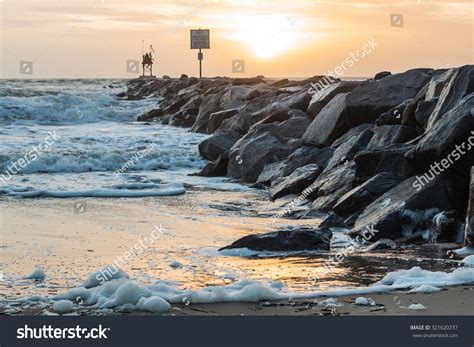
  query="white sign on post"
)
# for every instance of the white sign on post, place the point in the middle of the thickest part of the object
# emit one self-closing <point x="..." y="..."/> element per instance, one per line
<point x="200" y="39"/>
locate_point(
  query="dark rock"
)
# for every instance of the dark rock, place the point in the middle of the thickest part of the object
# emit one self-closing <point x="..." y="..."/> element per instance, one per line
<point x="166" y="77"/>
<point x="193" y="103"/>
<point x="183" y="77"/>
<point x="423" y="111"/>
<point x="296" y="182"/>
<point x="216" y="168"/>
<point x="220" y="142"/>
<point x="445" y="227"/>
<point x="236" y="123"/>
<point x="360" y="137"/>
<point x="408" y="116"/>
<point x="469" y="230"/>
<point x="333" y="221"/>
<point x="248" y="81"/>
<point x="292" y="128"/>
<point x="150" y="115"/>
<point x="300" y="157"/>
<point x="322" y="97"/>
<point x="381" y="75"/>
<point x="382" y="244"/>
<point x="437" y="83"/>
<point x="216" y="119"/>
<point x="330" y="186"/>
<point x="329" y="124"/>
<point x="448" y="134"/>
<point x="387" y="135"/>
<point x="238" y="96"/>
<point x="388" y="213"/>
<point x="250" y="154"/>
<point x="361" y="196"/>
<point x="368" y="101"/>
<point x="306" y="155"/>
<point x="297" y="101"/>
<point x="371" y="162"/>
<point x="460" y="84"/>
<point x="184" y="118"/>
<point x="176" y="105"/>
<point x="278" y="116"/>
<point x="271" y="172"/>
<point x="209" y="104"/>
<point x="280" y="83"/>
<point x="394" y="115"/>
<point x="287" y="239"/>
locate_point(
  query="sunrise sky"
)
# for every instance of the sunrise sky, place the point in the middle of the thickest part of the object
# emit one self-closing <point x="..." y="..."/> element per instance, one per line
<point x="292" y="38"/>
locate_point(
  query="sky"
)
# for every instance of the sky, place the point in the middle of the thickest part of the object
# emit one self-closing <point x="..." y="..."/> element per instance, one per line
<point x="274" y="38"/>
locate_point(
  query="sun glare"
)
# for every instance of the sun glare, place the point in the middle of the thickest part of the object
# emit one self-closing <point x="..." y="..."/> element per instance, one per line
<point x="268" y="36"/>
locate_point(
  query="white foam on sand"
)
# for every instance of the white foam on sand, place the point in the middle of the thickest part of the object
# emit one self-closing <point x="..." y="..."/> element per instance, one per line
<point x="122" y="293"/>
<point x="63" y="306"/>
<point x="364" y="301"/>
<point x="425" y="288"/>
<point x="38" y="274"/>
<point x="468" y="261"/>
<point x="416" y="307"/>
<point x="164" y="190"/>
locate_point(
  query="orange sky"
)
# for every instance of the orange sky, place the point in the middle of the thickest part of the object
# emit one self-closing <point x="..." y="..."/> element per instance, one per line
<point x="94" y="38"/>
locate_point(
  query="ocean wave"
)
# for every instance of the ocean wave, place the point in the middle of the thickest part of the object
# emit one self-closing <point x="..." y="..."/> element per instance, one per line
<point x="67" y="103"/>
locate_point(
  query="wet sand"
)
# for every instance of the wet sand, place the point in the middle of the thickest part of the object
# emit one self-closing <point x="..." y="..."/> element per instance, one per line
<point x="456" y="300"/>
<point x="72" y="238"/>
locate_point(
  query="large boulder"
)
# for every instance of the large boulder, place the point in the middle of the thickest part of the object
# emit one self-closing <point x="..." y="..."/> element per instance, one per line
<point x="368" y="101"/>
<point x="322" y="97"/>
<point x="151" y="115"/>
<point x="220" y="142"/>
<point x="215" y="168"/>
<point x="302" y="156"/>
<point x="358" y="198"/>
<point x="345" y="151"/>
<point x="460" y="84"/>
<point x="371" y="162"/>
<point x="387" y="214"/>
<point x="330" y="186"/>
<point x="387" y="135"/>
<point x="271" y="172"/>
<point x="330" y="123"/>
<point x="437" y="83"/>
<point x="210" y="104"/>
<point x="469" y="230"/>
<point x="292" y="128"/>
<point x="444" y="227"/>
<point x="306" y="155"/>
<point x="446" y="142"/>
<point x="296" y="182"/>
<point x="216" y="119"/>
<point x="184" y="118"/>
<point x="287" y="239"/>
<point x="250" y="154"/>
<point x="424" y="110"/>
<point x="394" y="115"/>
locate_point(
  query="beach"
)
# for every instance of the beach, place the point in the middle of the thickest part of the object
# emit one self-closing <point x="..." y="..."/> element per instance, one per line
<point x="219" y="196"/>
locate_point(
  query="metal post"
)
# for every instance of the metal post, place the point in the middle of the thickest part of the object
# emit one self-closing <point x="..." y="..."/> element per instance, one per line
<point x="200" y="57"/>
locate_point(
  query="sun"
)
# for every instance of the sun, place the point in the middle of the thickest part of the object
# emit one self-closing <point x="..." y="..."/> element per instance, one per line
<point x="268" y="36"/>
